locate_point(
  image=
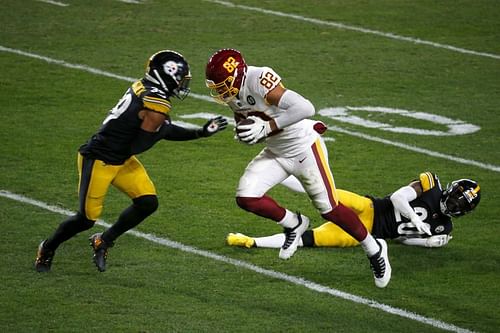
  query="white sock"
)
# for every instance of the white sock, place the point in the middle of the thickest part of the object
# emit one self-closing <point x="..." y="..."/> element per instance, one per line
<point x="370" y="245"/>
<point x="273" y="242"/>
<point x="289" y="221"/>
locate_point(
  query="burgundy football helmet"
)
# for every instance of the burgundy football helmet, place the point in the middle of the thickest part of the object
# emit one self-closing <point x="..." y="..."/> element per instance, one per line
<point x="224" y="74"/>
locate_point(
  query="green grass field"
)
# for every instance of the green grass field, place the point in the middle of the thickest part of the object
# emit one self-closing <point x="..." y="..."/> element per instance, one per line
<point x="427" y="58"/>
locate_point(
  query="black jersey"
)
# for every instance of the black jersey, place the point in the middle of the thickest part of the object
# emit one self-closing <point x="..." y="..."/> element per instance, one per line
<point x="112" y="143"/>
<point x="390" y="224"/>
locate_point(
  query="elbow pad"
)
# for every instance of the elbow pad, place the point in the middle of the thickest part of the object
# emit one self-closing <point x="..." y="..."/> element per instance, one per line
<point x="296" y="108"/>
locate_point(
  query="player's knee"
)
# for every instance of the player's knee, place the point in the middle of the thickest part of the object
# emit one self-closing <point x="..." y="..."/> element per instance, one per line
<point x="147" y="204"/>
<point x="83" y="222"/>
<point x="334" y="213"/>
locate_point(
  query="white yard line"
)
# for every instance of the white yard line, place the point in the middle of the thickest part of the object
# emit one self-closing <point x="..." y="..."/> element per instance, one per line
<point x="428" y="152"/>
<point x="416" y="149"/>
<point x="56" y="3"/>
<point x="242" y="264"/>
<point x="136" y="2"/>
<point x="355" y="28"/>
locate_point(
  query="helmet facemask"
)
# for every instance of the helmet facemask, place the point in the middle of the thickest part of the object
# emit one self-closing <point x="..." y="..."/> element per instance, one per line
<point x="223" y="92"/>
<point x="182" y="90"/>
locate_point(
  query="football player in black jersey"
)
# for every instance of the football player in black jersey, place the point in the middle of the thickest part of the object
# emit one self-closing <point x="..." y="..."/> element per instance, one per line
<point x="135" y="124"/>
<point x="418" y="214"/>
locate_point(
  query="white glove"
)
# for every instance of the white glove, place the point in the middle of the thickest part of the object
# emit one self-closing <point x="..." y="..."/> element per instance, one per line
<point x="252" y="133"/>
<point x="438" y="240"/>
<point x="421" y="226"/>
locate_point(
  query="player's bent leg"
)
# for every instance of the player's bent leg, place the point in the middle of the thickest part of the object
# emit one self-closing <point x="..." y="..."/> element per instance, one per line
<point x="141" y="208"/>
<point x="67" y="229"/>
<point x="263" y="206"/>
<point x="348" y="221"/>
<point x="331" y="235"/>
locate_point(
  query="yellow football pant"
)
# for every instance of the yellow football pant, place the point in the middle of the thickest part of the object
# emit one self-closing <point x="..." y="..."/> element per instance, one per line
<point x="95" y="177"/>
<point x="329" y="234"/>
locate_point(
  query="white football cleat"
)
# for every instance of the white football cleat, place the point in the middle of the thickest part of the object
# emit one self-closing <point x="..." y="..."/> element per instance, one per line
<point x="292" y="237"/>
<point x="380" y="265"/>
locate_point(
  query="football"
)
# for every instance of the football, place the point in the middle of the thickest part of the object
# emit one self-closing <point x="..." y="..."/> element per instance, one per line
<point x="246" y="121"/>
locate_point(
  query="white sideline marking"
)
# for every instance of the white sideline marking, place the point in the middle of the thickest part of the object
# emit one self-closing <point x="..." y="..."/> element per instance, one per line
<point x="54" y="3"/>
<point x="355" y="28"/>
<point x="85" y="68"/>
<point x="267" y="272"/>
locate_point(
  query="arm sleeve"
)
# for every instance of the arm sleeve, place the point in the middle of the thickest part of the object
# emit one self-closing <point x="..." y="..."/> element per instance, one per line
<point x="413" y="241"/>
<point x="295" y="108"/>
<point x="432" y="241"/>
<point x="401" y="201"/>
<point x="145" y="140"/>
<point x="177" y="133"/>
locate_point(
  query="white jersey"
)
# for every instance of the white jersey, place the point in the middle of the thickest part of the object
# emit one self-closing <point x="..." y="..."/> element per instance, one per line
<point x="258" y="82"/>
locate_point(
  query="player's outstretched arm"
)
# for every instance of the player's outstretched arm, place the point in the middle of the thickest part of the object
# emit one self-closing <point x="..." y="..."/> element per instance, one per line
<point x="178" y="133"/>
<point x="432" y="241"/>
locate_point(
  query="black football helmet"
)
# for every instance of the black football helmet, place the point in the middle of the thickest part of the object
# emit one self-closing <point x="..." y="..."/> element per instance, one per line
<point x="460" y="197"/>
<point x="170" y="71"/>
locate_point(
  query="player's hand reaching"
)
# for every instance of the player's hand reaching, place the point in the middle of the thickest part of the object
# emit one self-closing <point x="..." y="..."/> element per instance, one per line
<point x="213" y="126"/>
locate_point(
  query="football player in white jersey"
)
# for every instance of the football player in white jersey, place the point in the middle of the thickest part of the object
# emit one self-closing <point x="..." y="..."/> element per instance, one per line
<point x="265" y="110"/>
<point x="389" y="217"/>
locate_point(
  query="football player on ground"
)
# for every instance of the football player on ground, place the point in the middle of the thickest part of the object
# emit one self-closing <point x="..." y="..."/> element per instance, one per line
<point x="278" y="116"/>
<point x="135" y="124"/>
<point x="392" y="217"/>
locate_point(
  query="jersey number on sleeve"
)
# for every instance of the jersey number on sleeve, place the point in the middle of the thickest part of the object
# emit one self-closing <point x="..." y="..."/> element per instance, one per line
<point x="268" y="80"/>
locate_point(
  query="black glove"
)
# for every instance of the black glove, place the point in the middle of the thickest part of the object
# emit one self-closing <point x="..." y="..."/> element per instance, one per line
<point x="213" y="126"/>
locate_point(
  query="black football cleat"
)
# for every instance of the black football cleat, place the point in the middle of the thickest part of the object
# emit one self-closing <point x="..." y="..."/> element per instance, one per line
<point x="100" y="248"/>
<point x="44" y="257"/>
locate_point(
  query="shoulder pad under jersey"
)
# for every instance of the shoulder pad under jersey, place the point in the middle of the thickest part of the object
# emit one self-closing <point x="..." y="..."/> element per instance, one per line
<point x="428" y="181"/>
<point x="153" y="98"/>
<point x="261" y="80"/>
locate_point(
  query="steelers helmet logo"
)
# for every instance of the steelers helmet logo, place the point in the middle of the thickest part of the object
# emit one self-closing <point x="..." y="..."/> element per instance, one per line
<point x="439" y="229"/>
<point x="171" y="67"/>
